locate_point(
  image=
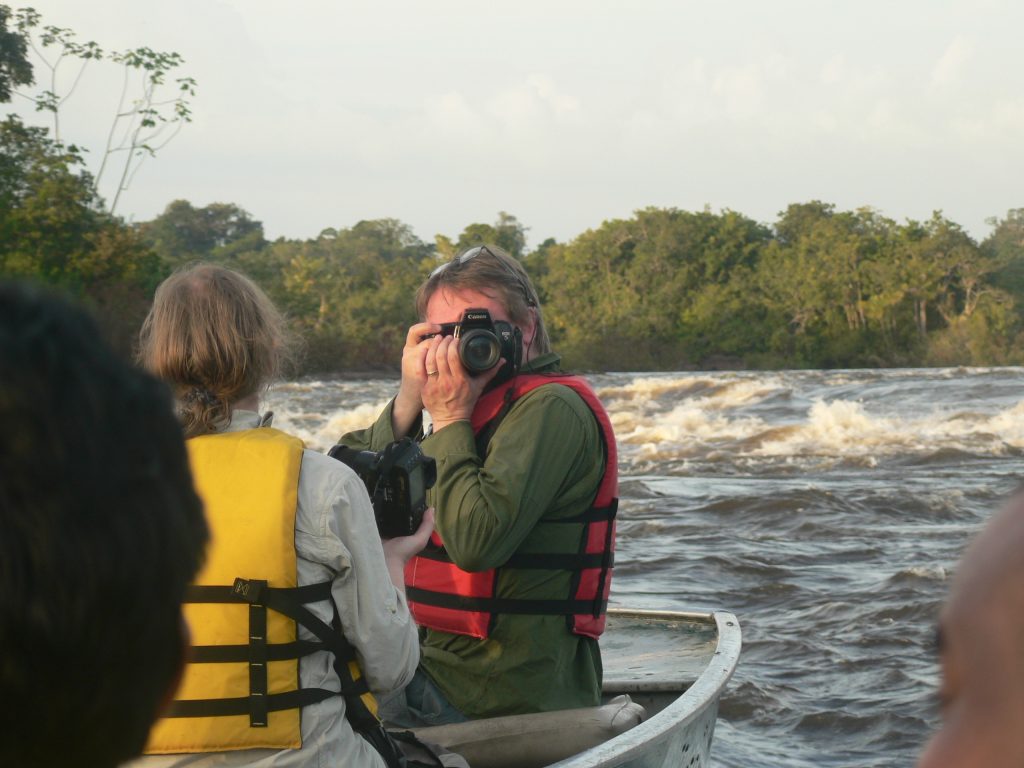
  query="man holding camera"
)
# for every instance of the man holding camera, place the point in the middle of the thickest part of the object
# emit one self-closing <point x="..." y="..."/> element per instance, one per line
<point x="512" y="591"/>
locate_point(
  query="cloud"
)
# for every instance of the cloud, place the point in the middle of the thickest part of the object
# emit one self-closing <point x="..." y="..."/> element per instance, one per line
<point x="838" y="73"/>
<point x="451" y="114"/>
<point x="1001" y="124"/>
<point x="834" y="70"/>
<point x="533" y="106"/>
<point x="526" y="123"/>
<point x="948" y="71"/>
<point x="743" y="92"/>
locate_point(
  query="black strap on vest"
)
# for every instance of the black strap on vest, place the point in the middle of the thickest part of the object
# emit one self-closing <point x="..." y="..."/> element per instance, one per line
<point x="241" y="706"/>
<point x="505" y="605"/>
<point x="290" y="602"/>
<point x="540" y="561"/>
<point x="552" y="561"/>
<point x="592" y="515"/>
<point x="359" y="716"/>
<point x="609" y="533"/>
<point x="221" y="654"/>
<point x="258" y="706"/>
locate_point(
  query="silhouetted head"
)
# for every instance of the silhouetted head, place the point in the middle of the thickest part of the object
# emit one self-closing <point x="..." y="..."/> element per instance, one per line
<point x="100" y="532"/>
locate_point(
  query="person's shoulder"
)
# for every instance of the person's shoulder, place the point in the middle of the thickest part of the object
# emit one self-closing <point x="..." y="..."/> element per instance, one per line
<point x="321" y="468"/>
<point x="555" y="395"/>
<point x="327" y="488"/>
<point x="557" y="388"/>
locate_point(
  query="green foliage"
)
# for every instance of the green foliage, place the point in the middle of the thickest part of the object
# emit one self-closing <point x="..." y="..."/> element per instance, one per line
<point x="990" y="336"/>
<point x="52" y="223"/>
<point x="350" y="292"/>
<point x="822" y="288"/>
<point x="46" y="208"/>
<point x="506" y="232"/>
<point x="52" y="229"/>
<point x="1005" y="248"/>
<point x="219" y="232"/>
<point x="646" y="290"/>
<point x="15" y="68"/>
<point x="144" y="120"/>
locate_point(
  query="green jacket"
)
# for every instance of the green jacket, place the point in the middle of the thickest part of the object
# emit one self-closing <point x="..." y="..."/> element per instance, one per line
<point x="545" y="460"/>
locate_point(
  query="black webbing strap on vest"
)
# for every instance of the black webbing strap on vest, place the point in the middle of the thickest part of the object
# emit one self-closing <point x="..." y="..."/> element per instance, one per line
<point x="214" y="654"/>
<point x="220" y="654"/>
<point x="275" y="702"/>
<point x="552" y="561"/>
<point x="609" y="535"/>
<point x="523" y="607"/>
<point x="288" y="601"/>
<point x="358" y="714"/>
<point x="257" y="657"/>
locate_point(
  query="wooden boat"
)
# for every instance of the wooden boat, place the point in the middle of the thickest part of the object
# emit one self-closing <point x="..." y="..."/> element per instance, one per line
<point x="674" y="665"/>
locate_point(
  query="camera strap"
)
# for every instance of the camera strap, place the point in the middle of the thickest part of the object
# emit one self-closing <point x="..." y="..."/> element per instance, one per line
<point x="483" y="437"/>
<point x="398" y="749"/>
<point x="383" y="471"/>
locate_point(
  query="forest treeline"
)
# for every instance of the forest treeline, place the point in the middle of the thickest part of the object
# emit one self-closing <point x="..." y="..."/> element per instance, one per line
<point x="665" y="289"/>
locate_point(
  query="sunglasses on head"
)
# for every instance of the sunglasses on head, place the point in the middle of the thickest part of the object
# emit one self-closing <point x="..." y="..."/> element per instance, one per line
<point x="471" y="254"/>
<point x="465" y="256"/>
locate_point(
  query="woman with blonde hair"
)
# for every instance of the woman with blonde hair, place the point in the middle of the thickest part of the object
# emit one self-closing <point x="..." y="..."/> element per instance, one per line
<point x="300" y="606"/>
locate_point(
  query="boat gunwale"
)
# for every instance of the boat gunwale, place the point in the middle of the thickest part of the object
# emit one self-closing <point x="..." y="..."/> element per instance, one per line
<point x="707" y="688"/>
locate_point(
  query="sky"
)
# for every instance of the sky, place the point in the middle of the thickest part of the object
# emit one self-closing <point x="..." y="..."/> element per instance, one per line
<point x="567" y="113"/>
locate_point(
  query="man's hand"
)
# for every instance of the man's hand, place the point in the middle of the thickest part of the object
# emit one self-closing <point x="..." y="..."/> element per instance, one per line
<point x="409" y="401"/>
<point x="450" y="393"/>
<point x="399" y="550"/>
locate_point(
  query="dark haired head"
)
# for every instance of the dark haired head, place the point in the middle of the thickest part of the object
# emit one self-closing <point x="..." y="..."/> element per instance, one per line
<point x="100" y="532"/>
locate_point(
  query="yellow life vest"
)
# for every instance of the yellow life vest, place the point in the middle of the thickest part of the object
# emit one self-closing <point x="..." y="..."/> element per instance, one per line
<point x="240" y="689"/>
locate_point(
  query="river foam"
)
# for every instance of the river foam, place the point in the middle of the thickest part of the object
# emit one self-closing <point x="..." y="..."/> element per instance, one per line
<point x="827" y="509"/>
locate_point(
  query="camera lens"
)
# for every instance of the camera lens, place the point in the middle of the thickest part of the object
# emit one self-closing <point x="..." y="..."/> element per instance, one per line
<point x="479" y="350"/>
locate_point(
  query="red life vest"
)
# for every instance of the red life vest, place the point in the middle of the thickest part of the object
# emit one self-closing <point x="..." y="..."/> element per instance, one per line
<point x="444" y="597"/>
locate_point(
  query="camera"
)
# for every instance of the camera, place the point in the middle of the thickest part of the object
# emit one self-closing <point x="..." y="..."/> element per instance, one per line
<point x="397" y="480"/>
<point x="483" y="342"/>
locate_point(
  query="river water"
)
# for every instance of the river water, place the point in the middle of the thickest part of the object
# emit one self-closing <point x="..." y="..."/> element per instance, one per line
<point x="826" y="509"/>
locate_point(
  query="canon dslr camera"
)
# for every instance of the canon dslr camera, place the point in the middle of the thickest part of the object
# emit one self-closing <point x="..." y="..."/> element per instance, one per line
<point x="397" y="480"/>
<point x="483" y="342"/>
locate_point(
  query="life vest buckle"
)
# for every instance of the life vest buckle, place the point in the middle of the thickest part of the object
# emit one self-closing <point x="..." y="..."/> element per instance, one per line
<point x="250" y="590"/>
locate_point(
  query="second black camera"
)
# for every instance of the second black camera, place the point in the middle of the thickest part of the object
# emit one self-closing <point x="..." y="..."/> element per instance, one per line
<point x="397" y="480"/>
